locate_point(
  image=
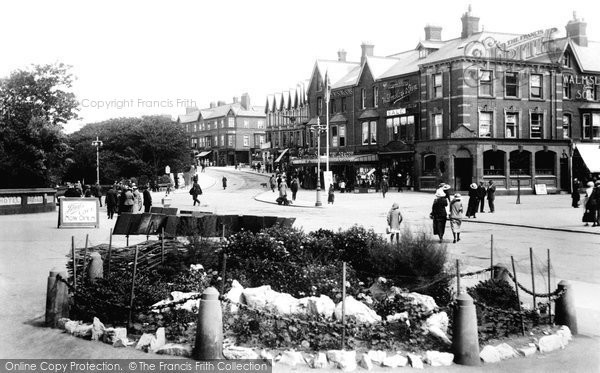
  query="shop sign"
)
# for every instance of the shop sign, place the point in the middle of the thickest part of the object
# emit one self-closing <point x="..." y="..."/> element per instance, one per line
<point x="10" y="200"/>
<point x="394" y="112"/>
<point x="586" y="84"/>
<point x="341" y="92"/>
<point x="400" y="91"/>
<point x="78" y="212"/>
<point x="35" y="199"/>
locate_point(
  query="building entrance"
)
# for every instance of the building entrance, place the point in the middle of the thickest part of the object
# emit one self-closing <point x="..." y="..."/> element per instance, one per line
<point x="463" y="173"/>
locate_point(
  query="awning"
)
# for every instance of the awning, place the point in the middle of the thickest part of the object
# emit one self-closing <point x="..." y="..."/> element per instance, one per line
<point x="361" y="158"/>
<point x="338" y="118"/>
<point x="591" y="155"/>
<point x="281" y="155"/>
<point x="203" y="154"/>
<point x="370" y="113"/>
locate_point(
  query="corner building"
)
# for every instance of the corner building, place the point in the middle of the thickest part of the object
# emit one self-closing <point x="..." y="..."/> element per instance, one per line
<point x="521" y="110"/>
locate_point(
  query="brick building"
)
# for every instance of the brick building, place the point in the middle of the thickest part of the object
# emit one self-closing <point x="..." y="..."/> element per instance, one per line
<point x="225" y="133"/>
<point x="520" y="110"/>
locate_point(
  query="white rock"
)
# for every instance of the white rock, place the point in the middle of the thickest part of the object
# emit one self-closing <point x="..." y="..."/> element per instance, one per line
<point x="377" y="356"/>
<point x="321" y="306"/>
<point x="489" y="354"/>
<point x="394" y="361"/>
<point x="415" y="361"/>
<point x="175" y="349"/>
<point x="439" y="320"/>
<point x="121" y="342"/>
<point x="284" y="303"/>
<point x="235" y="295"/>
<point x="436" y="332"/>
<point x="319" y="361"/>
<point x="196" y="267"/>
<point x="70" y="326"/>
<point x="266" y="355"/>
<point x="425" y="300"/>
<point x="190" y="305"/>
<point x="527" y="351"/>
<point x="83" y="331"/>
<point x="359" y="310"/>
<point x="565" y="334"/>
<point x="159" y="340"/>
<point x="237" y="352"/>
<point x="256" y="297"/>
<point x="112" y="334"/>
<point x="344" y="360"/>
<point x="365" y="362"/>
<point x="144" y="341"/>
<point x="292" y="358"/>
<point x="62" y="322"/>
<point x="550" y="343"/>
<point x="97" y="329"/>
<point x="506" y="351"/>
<point x="402" y="316"/>
<point x="439" y="359"/>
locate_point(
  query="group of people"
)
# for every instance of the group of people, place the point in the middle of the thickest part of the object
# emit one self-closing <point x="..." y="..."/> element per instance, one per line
<point x="280" y="182"/>
<point x="477" y="196"/>
<point x="126" y="198"/>
<point x="591" y="203"/>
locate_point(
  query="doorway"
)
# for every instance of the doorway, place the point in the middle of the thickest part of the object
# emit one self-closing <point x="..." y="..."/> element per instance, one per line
<point x="463" y="173"/>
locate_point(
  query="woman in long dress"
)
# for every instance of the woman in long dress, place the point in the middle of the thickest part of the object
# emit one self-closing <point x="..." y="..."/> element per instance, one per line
<point x="439" y="214"/>
<point x="473" y="201"/>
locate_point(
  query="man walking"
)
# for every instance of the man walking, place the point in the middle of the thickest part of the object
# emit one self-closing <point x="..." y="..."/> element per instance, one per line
<point x="481" y="192"/>
<point x="491" y="195"/>
<point x="384" y="186"/>
<point x="147" y="198"/>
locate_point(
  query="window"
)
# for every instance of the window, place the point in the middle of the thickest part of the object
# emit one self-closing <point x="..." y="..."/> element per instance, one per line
<point x="334" y="136"/>
<point x="485" y="83"/>
<point x="319" y="105"/>
<point x="222" y="123"/>
<point x="511" y="84"/>
<point x="187" y="128"/>
<point x="485" y="124"/>
<point x="194" y="143"/>
<point x="363" y="98"/>
<point x="589" y="93"/>
<point x="429" y="161"/>
<point x="230" y="122"/>
<point x="246" y="140"/>
<point x="369" y="132"/>
<point x="216" y="141"/>
<point x="535" y="86"/>
<point x="246" y="123"/>
<point x="591" y="126"/>
<point x="535" y="129"/>
<point x="260" y="123"/>
<point x="375" y="96"/>
<point x="230" y="140"/>
<point x="436" y="132"/>
<point x="259" y="139"/>
<point x="331" y="106"/>
<point x="566" y="89"/>
<point x="222" y="140"/>
<point x="342" y="130"/>
<point x="437" y="85"/>
<point x="566" y="126"/>
<point x="566" y="60"/>
<point x="208" y="143"/>
<point x="512" y="125"/>
<point x="344" y="108"/>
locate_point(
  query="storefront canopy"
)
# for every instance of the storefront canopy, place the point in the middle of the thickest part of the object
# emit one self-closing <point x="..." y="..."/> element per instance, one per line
<point x="203" y="154"/>
<point x="590" y="153"/>
<point x="281" y="155"/>
<point x="361" y="158"/>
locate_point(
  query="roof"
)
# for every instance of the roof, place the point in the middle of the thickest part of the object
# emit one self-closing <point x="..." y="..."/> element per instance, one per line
<point x="349" y="79"/>
<point x="587" y="57"/>
<point x="336" y="70"/>
<point x="407" y="62"/>
<point x="190" y="117"/>
<point x="222" y="111"/>
<point x="379" y="65"/>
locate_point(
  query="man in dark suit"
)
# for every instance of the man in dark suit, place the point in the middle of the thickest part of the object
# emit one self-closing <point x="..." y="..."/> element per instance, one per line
<point x="491" y="195"/>
<point x="481" y="192"/>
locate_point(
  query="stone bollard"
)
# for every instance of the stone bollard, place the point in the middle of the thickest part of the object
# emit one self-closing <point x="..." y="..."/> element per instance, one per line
<point x="166" y="202"/>
<point x="564" y="313"/>
<point x="95" y="268"/>
<point x="57" y="298"/>
<point x="209" y="329"/>
<point x="465" y="341"/>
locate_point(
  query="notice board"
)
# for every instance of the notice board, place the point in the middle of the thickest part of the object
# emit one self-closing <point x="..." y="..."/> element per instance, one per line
<point x="76" y="212"/>
<point x="540" y="189"/>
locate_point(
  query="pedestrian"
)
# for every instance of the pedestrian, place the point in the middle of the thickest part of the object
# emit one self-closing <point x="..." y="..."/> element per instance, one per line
<point x="481" y="192"/>
<point x="128" y="201"/>
<point x="272" y="183"/>
<point x="589" y="207"/>
<point x="294" y="186"/>
<point x="111" y="201"/>
<point x="456" y="215"/>
<point x="394" y="218"/>
<point x="575" y="197"/>
<point x="87" y="191"/>
<point x="169" y="186"/>
<point x="195" y="191"/>
<point x="595" y="201"/>
<point x="283" y="194"/>
<point x="342" y="186"/>
<point x="491" y="195"/>
<point x="203" y="165"/>
<point x="439" y="214"/>
<point x="72" y="191"/>
<point x="258" y="166"/>
<point x="473" y="201"/>
<point x="400" y="181"/>
<point x="330" y="195"/>
<point x="137" y="199"/>
<point x="147" y="199"/>
<point x="97" y="192"/>
<point x="384" y="186"/>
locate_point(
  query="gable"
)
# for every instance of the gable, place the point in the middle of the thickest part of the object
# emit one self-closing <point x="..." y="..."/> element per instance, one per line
<point x="462" y="132"/>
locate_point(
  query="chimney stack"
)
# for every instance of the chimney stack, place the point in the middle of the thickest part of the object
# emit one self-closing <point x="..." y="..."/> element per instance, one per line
<point x="433" y="33"/>
<point x="470" y="24"/>
<point x="367" y="51"/>
<point x="341" y="55"/>
<point x="245" y="101"/>
<point x="221" y="103"/>
<point x="190" y="109"/>
<point x="213" y="105"/>
<point x="235" y="99"/>
<point x="576" y="30"/>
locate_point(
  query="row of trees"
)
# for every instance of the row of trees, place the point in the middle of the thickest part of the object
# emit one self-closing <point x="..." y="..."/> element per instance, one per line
<point x="36" y="102"/>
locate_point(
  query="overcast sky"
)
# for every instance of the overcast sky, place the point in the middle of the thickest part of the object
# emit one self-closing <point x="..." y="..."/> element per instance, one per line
<point x="130" y="52"/>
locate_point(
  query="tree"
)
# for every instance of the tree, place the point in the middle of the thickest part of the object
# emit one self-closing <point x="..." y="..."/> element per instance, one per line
<point x="132" y="147"/>
<point x="34" y="104"/>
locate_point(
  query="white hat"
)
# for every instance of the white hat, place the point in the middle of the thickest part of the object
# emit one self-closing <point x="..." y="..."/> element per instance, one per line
<point x="446" y="187"/>
<point x="440" y="193"/>
<point x="457" y="196"/>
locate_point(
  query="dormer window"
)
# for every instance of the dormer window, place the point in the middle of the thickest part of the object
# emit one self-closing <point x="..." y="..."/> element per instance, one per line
<point x="423" y="52"/>
<point x="566" y="60"/>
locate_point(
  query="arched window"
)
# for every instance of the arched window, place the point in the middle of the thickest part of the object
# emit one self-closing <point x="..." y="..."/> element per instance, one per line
<point x="545" y="162"/>
<point x="520" y="162"/>
<point x="429" y="163"/>
<point x="493" y="162"/>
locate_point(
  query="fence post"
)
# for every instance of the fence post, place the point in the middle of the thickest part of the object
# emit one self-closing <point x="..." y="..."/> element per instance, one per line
<point x="343" y="304"/>
<point x="162" y="247"/>
<point x="457" y="277"/>
<point x="465" y="342"/>
<point x="209" y="330"/>
<point x="223" y="274"/>
<point x="74" y="258"/>
<point x="109" y="254"/>
<point x="532" y="276"/>
<point x="492" y="257"/>
<point x="549" y="291"/>
<point x="57" y="298"/>
<point x="132" y="294"/>
<point x="564" y="309"/>
<point x="512" y="259"/>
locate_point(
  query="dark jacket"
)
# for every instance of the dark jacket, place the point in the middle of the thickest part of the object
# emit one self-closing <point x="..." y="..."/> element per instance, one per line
<point x="111" y="198"/>
<point x="481" y="192"/>
<point x="491" y="192"/>
<point x="147" y="198"/>
<point x="438" y="209"/>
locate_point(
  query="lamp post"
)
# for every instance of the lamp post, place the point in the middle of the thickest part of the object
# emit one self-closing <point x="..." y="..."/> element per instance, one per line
<point x="97" y="143"/>
<point x="317" y="129"/>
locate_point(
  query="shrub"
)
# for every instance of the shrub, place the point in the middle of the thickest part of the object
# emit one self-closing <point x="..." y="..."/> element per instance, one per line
<point x="495" y="293"/>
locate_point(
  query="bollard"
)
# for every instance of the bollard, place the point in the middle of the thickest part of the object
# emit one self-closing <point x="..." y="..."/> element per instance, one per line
<point x="57" y="298"/>
<point x="209" y="330"/>
<point x="564" y="308"/>
<point x="465" y="341"/>
<point x="95" y="268"/>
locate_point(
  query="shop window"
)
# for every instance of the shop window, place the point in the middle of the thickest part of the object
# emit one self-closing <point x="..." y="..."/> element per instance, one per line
<point x="436" y="132"/>
<point x="512" y="125"/>
<point x="363" y="98"/>
<point x="591" y="126"/>
<point x="485" y="83"/>
<point x="535" y="127"/>
<point x="485" y="124"/>
<point x="520" y="162"/>
<point x="369" y="133"/>
<point x="429" y="163"/>
<point x="535" y="86"/>
<point x="511" y="84"/>
<point x="334" y="136"/>
<point x="437" y="85"/>
<point x="493" y="162"/>
<point x="375" y="96"/>
<point x="544" y="162"/>
<point x="342" y="135"/>
<point x="566" y="126"/>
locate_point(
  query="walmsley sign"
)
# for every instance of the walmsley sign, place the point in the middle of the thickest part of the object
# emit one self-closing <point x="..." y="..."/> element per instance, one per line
<point x="586" y="84"/>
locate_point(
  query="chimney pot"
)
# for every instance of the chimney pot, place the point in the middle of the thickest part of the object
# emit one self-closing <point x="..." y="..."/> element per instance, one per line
<point x="367" y="51"/>
<point x="433" y="33"/>
<point x="470" y="24"/>
<point x="341" y="55"/>
<point x="213" y="105"/>
<point x="576" y="30"/>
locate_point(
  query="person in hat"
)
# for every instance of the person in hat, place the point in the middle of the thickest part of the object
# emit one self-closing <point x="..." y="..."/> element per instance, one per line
<point x="491" y="195"/>
<point x="481" y="192"/>
<point x="137" y="198"/>
<point x="456" y="215"/>
<point x="575" y="197"/>
<point x="394" y="218"/>
<point x="128" y="200"/>
<point x="385" y="185"/>
<point x="439" y="214"/>
<point x="588" y="205"/>
<point x="473" y="201"/>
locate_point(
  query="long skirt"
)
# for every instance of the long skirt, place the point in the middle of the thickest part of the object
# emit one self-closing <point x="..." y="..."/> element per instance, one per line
<point x="472" y="206"/>
<point x="455" y="225"/>
<point x="439" y="226"/>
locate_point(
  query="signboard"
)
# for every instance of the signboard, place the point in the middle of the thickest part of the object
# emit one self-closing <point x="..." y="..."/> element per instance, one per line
<point x="540" y="189"/>
<point x="327" y="180"/>
<point x="78" y="212"/>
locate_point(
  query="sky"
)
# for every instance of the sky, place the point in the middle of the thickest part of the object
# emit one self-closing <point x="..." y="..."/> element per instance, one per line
<point x="134" y="58"/>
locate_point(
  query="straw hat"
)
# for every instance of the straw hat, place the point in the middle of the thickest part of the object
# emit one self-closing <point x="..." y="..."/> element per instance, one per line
<point x="473" y="186"/>
<point x="440" y="193"/>
<point x="457" y="196"/>
<point x="446" y="187"/>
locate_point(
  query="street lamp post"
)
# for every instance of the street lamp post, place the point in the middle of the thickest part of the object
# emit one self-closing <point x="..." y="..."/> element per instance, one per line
<point x="317" y="128"/>
<point x="97" y="143"/>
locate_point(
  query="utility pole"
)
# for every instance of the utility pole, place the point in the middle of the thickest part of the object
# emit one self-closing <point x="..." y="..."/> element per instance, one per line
<point x="97" y="144"/>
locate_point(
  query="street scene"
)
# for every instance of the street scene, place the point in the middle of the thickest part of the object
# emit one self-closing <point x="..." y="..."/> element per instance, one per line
<point x="350" y="202"/>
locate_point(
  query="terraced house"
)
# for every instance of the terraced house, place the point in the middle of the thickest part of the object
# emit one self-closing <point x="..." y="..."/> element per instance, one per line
<point x="521" y="110"/>
<point x="225" y="134"/>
